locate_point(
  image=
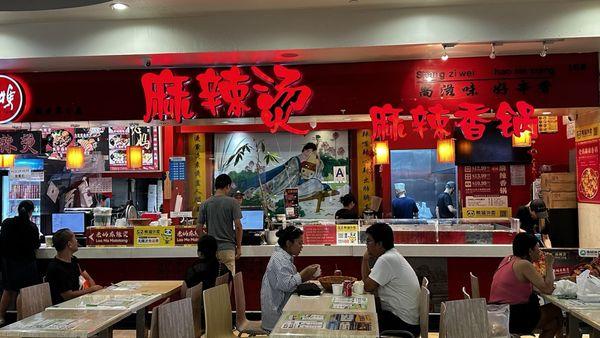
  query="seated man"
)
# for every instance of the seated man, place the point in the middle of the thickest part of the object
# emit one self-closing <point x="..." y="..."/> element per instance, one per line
<point x="394" y="280"/>
<point x="66" y="277"/>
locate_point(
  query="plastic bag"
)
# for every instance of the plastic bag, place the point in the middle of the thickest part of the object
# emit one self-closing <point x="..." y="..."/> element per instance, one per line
<point x="588" y="287"/>
<point x="498" y="318"/>
<point x="565" y="288"/>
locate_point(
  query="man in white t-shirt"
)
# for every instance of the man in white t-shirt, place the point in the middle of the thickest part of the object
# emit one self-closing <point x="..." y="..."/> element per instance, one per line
<point x="394" y="281"/>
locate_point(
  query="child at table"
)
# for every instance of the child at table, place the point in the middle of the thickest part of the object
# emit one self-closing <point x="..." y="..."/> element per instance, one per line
<point x="66" y="277"/>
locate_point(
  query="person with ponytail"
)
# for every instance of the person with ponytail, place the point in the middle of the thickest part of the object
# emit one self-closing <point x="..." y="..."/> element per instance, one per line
<point x="19" y="239"/>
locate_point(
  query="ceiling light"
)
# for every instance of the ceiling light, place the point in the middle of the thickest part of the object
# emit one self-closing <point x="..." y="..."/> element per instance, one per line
<point x="225" y="122"/>
<point x="289" y="55"/>
<point x="493" y="52"/>
<point x="118" y="6"/>
<point x="547" y="113"/>
<point x="348" y="119"/>
<point x="444" y="54"/>
<point x="544" y="51"/>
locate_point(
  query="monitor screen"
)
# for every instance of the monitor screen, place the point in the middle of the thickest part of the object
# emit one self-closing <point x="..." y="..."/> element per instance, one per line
<point x="72" y="221"/>
<point x="252" y="219"/>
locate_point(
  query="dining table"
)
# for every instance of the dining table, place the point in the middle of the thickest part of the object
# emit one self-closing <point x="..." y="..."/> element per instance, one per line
<point x="327" y="315"/>
<point x="578" y="311"/>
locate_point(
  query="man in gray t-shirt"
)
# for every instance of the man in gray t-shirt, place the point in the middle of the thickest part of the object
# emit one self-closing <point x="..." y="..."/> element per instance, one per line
<point x="217" y="217"/>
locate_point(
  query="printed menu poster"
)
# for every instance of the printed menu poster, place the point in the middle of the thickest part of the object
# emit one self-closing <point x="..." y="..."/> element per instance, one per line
<point x="485" y="191"/>
<point x="57" y="141"/>
<point x="304" y="321"/>
<point x="320" y="234"/>
<point x="350" y="322"/>
<point x="349" y="303"/>
<point x="118" y="140"/>
<point x="347" y="234"/>
<point x="147" y="138"/>
<point x="588" y="171"/>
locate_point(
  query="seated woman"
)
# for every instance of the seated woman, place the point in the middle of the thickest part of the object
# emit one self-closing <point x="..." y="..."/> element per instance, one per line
<point x="513" y="284"/>
<point x="347" y="212"/>
<point x="281" y="277"/>
<point x="207" y="268"/>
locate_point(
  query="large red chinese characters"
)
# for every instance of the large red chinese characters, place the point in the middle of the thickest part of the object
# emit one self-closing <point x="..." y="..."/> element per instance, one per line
<point x="12" y="99"/>
<point x="387" y="122"/>
<point x="166" y="97"/>
<point x="516" y="122"/>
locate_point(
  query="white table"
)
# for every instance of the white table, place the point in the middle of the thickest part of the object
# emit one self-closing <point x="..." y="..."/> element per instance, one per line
<point x="577" y="311"/>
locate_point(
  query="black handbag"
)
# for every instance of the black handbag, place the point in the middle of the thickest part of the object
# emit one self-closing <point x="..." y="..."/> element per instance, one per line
<point x="308" y="289"/>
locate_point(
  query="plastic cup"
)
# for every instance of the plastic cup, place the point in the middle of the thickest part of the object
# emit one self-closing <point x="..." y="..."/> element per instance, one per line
<point x="337" y="289"/>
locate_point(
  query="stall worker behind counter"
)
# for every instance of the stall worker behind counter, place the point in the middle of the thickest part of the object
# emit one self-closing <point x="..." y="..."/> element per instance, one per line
<point x="402" y="205"/>
<point x="530" y="215"/>
<point x="347" y="212"/>
<point x="445" y="206"/>
<point x="281" y="277"/>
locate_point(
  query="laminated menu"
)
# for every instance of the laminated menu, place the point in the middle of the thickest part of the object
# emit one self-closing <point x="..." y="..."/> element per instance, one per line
<point x="350" y="322"/>
<point x="345" y="303"/>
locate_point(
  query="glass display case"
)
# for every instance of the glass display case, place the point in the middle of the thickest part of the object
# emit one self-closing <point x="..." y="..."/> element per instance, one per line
<point x="411" y="231"/>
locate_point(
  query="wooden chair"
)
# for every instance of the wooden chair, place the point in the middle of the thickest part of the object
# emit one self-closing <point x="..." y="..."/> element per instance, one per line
<point x="465" y="293"/>
<point x="153" y="325"/>
<point x="465" y="318"/>
<point x="424" y="311"/>
<point x="195" y="294"/>
<point x="474" y="286"/>
<point x="217" y="312"/>
<point x="242" y="324"/>
<point x="33" y="299"/>
<point x="175" y="319"/>
<point x="425" y="282"/>
<point x="442" y="320"/>
<point x="222" y="279"/>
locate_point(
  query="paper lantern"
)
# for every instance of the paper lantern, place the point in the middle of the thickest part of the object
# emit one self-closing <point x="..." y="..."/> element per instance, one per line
<point x="522" y="141"/>
<point x="75" y="157"/>
<point x="7" y="161"/>
<point x="382" y="152"/>
<point x="135" y="155"/>
<point x="445" y="151"/>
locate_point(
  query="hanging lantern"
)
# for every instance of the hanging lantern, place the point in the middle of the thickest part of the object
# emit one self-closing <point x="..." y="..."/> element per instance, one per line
<point x="382" y="152"/>
<point x="445" y="151"/>
<point x="75" y="157"/>
<point x="522" y="141"/>
<point x="7" y="161"/>
<point x="134" y="157"/>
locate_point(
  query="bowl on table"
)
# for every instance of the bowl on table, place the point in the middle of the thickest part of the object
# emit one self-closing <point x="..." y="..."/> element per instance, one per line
<point x="327" y="281"/>
<point x="139" y="221"/>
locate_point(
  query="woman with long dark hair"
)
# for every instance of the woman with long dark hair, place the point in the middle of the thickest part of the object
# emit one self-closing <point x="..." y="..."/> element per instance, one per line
<point x="19" y="238"/>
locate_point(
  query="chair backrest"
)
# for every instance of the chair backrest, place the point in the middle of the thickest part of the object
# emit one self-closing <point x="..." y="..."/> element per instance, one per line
<point x="466" y="318"/>
<point x="424" y="311"/>
<point x="154" y="320"/>
<point x="33" y="299"/>
<point x="240" y="299"/>
<point x="425" y="282"/>
<point x="443" y="320"/>
<point x="474" y="286"/>
<point x="465" y="293"/>
<point x="217" y="312"/>
<point x="222" y="279"/>
<point x="195" y="294"/>
<point x="175" y="319"/>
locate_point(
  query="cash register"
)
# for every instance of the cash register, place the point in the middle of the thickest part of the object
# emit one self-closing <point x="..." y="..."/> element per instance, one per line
<point x="253" y="223"/>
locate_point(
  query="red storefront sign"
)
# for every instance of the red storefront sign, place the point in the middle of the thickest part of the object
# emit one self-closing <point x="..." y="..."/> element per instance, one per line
<point x="109" y="236"/>
<point x="320" y="234"/>
<point x="12" y="99"/>
<point x="21" y="142"/>
<point x="588" y="171"/>
<point x="562" y="80"/>
<point x="186" y="236"/>
<point x="388" y="123"/>
<point x="167" y="96"/>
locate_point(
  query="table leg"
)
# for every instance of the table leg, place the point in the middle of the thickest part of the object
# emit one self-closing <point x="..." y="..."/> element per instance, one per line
<point x="573" y="326"/>
<point x="595" y="333"/>
<point x="108" y="333"/>
<point x="140" y="324"/>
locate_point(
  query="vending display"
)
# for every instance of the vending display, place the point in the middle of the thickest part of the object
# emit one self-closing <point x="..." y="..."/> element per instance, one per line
<point x="23" y="183"/>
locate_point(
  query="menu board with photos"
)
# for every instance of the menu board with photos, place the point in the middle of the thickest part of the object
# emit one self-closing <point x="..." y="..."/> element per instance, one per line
<point x="485" y="190"/>
<point x="110" y="142"/>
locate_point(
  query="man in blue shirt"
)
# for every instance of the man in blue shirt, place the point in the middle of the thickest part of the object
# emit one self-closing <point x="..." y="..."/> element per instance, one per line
<point x="403" y="206"/>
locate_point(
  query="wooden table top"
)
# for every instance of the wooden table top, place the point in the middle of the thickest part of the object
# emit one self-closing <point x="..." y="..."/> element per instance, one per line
<point x="104" y="301"/>
<point x="163" y="287"/>
<point x="64" y="323"/>
<point x="300" y="311"/>
<point x="586" y="312"/>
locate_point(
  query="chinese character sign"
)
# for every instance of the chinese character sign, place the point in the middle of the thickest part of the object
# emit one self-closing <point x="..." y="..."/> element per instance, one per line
<point x="21" y="142"/>
<point x="12" y="99"/>
<point x="226" y="94"/>
<point x="387" y="121"/>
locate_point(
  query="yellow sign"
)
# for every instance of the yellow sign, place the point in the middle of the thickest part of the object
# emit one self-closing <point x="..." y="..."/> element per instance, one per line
<point x="366" y="182"/>
<point x="347" y="233"/>
<point x="587" y="132"/>
<point x="548" y="124"/>
<point x="486" y="212"/>
<point x="153" y="236"/>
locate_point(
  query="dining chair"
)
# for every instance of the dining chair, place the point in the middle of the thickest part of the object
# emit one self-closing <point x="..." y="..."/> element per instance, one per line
<point x="222" y="279"/>
<point x="442" y="320"/>
<point x="153" y="328"/>
<point x="242" y="324"/>
<point x="33" y="299"/>
<point x="465" y="318"/>
<point x="423" y="319"/>
<point x="217" y="312"/>
<point x="195" y="294"/>
<point x="474" y="286"/>
<point x="425" y="282"/>
<point x="465" y="293"/>
<point x="175" y="319"/>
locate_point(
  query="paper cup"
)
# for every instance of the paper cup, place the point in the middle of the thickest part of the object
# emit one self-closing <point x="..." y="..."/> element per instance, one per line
<point x="48" y="241"/>
<point x="337" y="289"/>
<point x="358" y="288"/>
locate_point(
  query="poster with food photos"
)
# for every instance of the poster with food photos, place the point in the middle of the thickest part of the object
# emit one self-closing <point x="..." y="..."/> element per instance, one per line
<point x="147" y="138"/>
<point x="57" y="141"/>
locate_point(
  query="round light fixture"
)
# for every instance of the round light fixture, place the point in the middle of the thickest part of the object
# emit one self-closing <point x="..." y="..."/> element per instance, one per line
<point x="289" y="55"/>
<point x="119" y="6"/>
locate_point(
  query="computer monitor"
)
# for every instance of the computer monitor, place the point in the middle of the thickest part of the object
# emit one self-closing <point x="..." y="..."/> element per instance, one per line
<point x="72" y="221"/>
<point x="253" y="219"/>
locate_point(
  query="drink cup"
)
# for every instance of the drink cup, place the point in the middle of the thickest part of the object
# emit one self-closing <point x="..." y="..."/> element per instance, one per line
<point x="337" y="289"/>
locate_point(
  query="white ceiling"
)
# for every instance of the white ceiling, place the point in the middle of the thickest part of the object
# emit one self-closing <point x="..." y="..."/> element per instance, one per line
<point x="177" y="8"/>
